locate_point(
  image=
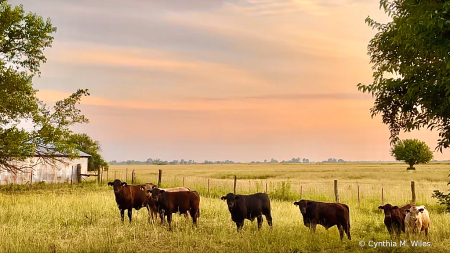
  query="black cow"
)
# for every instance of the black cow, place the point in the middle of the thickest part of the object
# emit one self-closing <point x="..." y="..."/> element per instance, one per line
<point x="394" y="218"/>
<point x="179" y="201"/>
<point x="132" y="196"/>
<point x="248" y="207"/>
<point x="325" y="214"/>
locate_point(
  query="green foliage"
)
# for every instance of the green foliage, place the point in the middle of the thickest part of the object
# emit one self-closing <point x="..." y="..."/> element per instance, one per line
<point x="86" y="144"/>
<point x="23" y="38"/>
<point x="412" y="152"/>
<point x="411" y="67"/>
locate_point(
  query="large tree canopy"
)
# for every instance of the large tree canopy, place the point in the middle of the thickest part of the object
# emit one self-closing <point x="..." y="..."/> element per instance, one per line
<point x="411" y="67"/>
<point x="23" y="38"/>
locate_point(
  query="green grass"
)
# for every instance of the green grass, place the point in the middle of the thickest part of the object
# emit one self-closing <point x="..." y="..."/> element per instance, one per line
<point x="85" y="218"/>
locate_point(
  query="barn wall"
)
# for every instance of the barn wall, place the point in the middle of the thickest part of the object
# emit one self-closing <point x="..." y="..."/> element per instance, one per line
<point x="46" y="173"/>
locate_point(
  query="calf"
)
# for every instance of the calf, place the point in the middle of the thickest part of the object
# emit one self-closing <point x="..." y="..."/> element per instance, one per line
<point x="131" y="196"/>
<point x="169" y="202"/>
<point x="394" y="218"/>
<point x="325" y="214"/>
<point x="417" y="219"/>
<point x="248" y="207"/>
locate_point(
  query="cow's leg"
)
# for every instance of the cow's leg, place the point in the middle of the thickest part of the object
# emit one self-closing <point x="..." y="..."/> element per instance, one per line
<point x="341" y="231"/>
<point x="194" y="215"/>
<point x="130" y="213"/>
<point x="169" y="219"/>
<point x="269" y="218"/>
<point x="260" y="221"/>
<point x="426" y="232"/>
<point x="161" y="215"/>
<point x="347" y="231"/>
<point x="239" y="225"/>
<point x="122" y="214"/>
<point x="312" y="227"/>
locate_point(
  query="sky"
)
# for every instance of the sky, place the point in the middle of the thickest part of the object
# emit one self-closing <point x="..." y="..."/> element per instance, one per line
<point x="243" y="80"/>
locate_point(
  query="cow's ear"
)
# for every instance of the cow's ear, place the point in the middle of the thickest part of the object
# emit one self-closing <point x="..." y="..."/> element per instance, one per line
<point x="154" y="186"/>
<point x="161" y="191"/>
<point x="142" y="188"/>
<point x="149" y="191"/>
<point x="110" y="183"/>
<point x="394" y="207"/>
<point x="223" y="198"/>
<point x="407" y="211"/>
<point x="124" y="183"/>
<point x="381" y="207"/>
<point x="296" y="203"/>
<point x="421" y="210"/>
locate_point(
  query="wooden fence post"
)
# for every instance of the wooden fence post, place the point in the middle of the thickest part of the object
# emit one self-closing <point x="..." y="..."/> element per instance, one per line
<point x="266" y="187"/>
<point x="31" y="179"/>
<point x="132" y="177"/>
<point x="159" y="178"/>
<point x="79" y="173"/>
<point x="336" y="193"/>
<point x="183" y="181"/>
<point x="126" y="175"/>
<point x="98" y="175"/>
<point x="234" y="185"/>
<point x="71" y="176"/>
<point x="359" y="201"/>
<point x="413" y="192"/>
<point x="101" y="175"/>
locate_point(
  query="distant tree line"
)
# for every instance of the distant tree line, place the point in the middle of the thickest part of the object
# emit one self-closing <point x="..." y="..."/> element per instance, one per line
<point x="333" y="160"/>
<point x="158" y="161"/>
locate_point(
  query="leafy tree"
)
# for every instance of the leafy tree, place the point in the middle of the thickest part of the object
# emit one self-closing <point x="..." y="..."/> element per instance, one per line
<point x="23" y="38"/>
<point x="411" y="67"/>
<point x="86" y="144"/>
<point x="412" y="152"/>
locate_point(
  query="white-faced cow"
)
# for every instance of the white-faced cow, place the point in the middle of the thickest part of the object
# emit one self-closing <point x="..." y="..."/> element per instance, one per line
<point x="325" y="214"/>
<point x="182" y="201"/>
<point x="417" y="219"/>
<point x="394" y="218"/>
<point x="132" y="196"/>
<point x="249" y="207"/>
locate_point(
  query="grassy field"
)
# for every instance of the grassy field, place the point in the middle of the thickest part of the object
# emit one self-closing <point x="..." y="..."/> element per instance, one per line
<point x="85" y="218"/>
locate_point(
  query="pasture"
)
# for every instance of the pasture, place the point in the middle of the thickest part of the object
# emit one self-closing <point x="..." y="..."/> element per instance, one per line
<point x="85" y="218"/>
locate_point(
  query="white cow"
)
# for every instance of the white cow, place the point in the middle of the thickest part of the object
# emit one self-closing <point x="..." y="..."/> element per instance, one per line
<point x="417" y="219"/>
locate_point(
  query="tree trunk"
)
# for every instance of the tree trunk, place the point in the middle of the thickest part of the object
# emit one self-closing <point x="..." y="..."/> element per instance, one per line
<point x="411" y="167"/>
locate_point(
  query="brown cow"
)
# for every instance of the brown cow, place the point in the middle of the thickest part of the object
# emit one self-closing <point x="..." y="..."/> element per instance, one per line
<point x="394" y="218"/>
<point x="132" y="196"/>
<point x="171" y="202"/>
<point x="325" y="214"/>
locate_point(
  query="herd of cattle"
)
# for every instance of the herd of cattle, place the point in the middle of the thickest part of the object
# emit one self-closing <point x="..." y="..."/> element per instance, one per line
<point x="165" y="202"/>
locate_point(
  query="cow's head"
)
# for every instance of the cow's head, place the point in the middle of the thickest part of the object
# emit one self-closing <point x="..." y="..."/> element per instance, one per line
<point x="388" y="208"/>
<point x="156" y="193"/>
<point x="117" y="185"/>
<point x="303" y="205"/>
<point x="231" y="200"/>
<point x="414" y="212"/>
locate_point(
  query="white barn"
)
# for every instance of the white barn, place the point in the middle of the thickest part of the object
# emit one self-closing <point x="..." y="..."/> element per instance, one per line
<point x="64" y="171"/>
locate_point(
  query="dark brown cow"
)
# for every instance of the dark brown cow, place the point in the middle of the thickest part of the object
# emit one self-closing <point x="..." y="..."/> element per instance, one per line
<point x="132" y="196"/>
<point x="325" y="214"/>
<point x="249" y="207"/>
<point x="178" y="201"/>
<point x="394" y="217"/>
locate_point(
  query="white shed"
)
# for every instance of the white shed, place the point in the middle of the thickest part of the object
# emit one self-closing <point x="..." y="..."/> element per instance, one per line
<point x="64" y="171"/>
